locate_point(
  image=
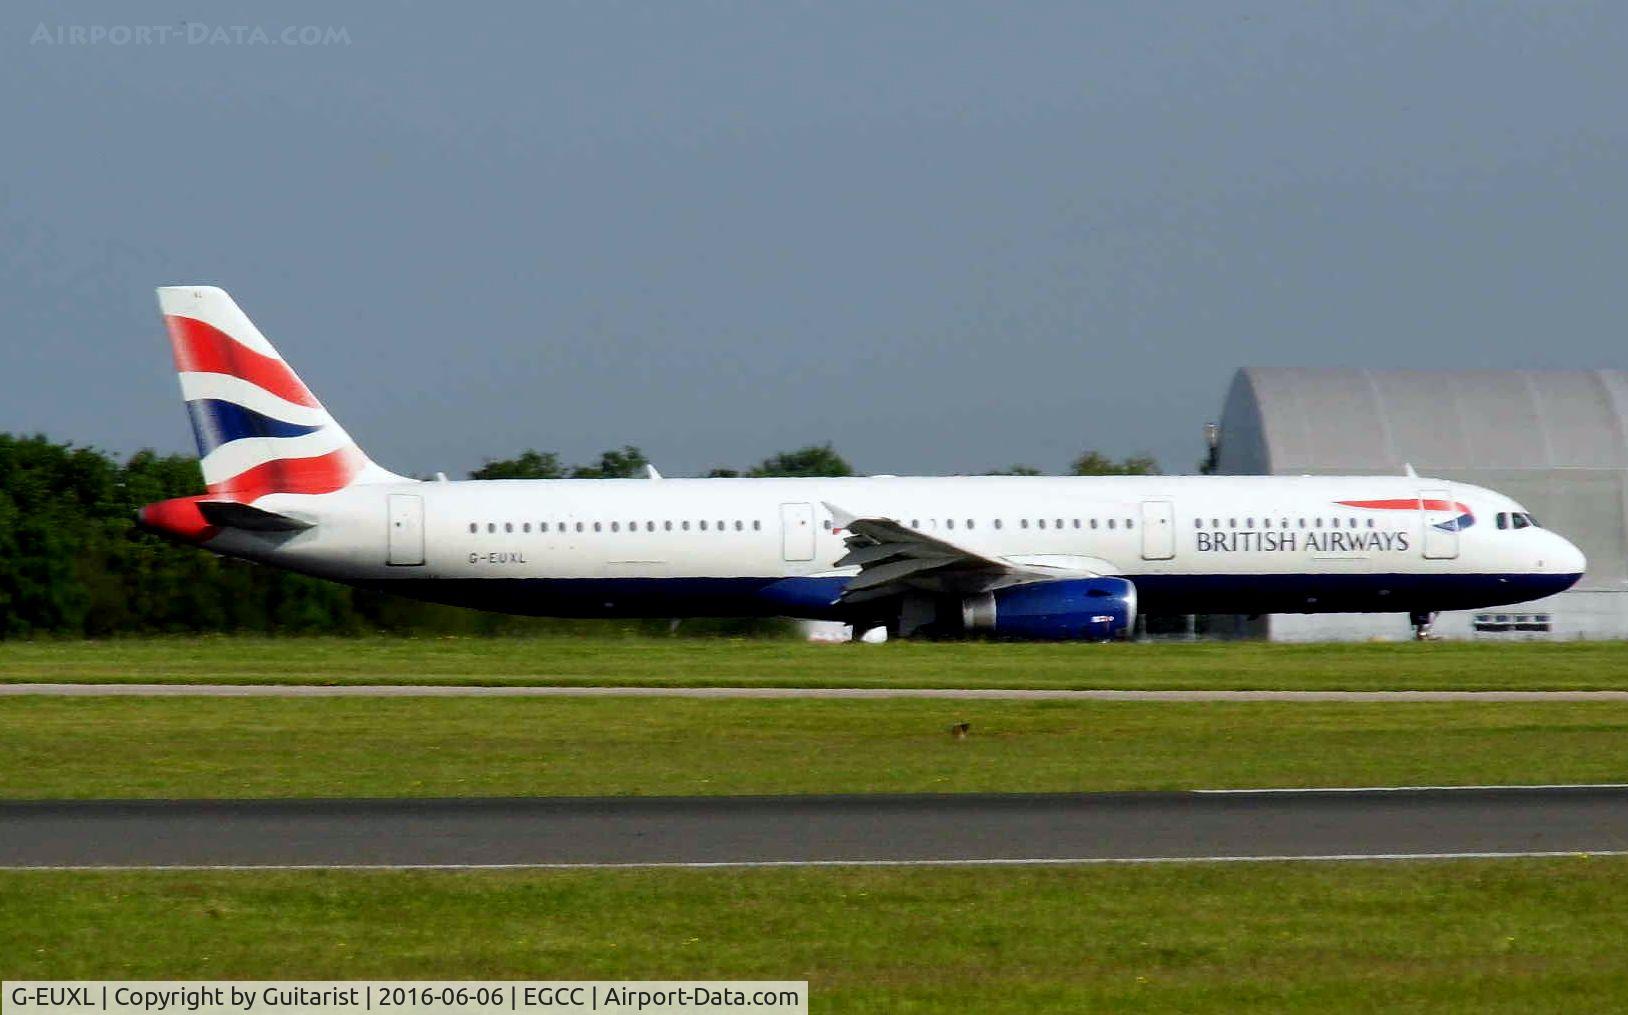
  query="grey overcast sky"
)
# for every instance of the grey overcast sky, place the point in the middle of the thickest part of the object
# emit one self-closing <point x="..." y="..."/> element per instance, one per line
<point x="947" y="237"/>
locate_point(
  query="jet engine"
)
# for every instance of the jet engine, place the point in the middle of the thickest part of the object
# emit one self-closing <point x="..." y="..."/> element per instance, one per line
<point x="1072" y="609"/>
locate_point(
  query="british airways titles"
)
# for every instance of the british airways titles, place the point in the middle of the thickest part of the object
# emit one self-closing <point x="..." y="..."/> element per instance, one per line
<point x="1275" y="541"/>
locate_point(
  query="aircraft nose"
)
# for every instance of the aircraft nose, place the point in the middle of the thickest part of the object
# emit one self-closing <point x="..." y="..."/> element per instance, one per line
<point x="1565" y="557"/>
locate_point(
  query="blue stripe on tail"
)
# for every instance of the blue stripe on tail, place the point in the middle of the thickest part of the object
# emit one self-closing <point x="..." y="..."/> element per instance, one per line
<point x="216" y="422"/>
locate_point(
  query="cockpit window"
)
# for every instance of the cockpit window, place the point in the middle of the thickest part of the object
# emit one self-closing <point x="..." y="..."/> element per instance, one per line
<point x="1516" y="520"/>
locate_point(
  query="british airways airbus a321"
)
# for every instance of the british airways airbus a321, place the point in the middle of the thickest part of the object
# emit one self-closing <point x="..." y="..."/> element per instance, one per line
<point x="1015" y="557"/>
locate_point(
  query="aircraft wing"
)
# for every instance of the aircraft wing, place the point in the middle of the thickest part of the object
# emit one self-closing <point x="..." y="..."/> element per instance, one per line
<point x="894" y="558"/>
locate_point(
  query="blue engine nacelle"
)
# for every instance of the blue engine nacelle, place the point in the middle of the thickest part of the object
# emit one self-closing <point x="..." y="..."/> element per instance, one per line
<point x="1088" y="609"/>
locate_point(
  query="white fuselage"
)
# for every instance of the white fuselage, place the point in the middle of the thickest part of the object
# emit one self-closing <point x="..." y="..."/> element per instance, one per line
<point x="685" y="547"/>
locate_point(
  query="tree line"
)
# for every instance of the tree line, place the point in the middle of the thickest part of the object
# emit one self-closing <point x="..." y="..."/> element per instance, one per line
<point x="73" y="563"/>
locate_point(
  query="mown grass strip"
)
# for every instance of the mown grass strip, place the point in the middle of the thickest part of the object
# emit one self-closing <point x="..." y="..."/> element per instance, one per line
<point x="268" y="747"/>
<point x="1511" y="936"/>
<point x="697" y="662"/>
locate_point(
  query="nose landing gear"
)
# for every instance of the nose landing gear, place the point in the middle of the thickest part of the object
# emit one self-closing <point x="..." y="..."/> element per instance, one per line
<point x="1421" y="626"/>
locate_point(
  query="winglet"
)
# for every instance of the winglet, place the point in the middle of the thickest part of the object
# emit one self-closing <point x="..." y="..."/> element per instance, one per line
<point x="1407" y="470"/>
<point x="650" y="471"/>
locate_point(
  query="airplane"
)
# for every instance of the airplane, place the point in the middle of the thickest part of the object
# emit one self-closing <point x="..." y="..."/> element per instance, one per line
<point x="1019" y="557"/>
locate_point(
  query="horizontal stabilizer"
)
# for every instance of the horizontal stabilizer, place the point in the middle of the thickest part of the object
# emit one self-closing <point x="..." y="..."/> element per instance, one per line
<point x="230" y="514"/>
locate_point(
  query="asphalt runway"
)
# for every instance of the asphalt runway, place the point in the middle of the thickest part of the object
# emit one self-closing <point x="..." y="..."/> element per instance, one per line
<point x="713" y="831"/>
<point x="72" y="690"/>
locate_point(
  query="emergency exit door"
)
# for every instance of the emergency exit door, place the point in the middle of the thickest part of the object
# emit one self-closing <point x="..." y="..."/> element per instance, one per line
<point x="797" y="531"/>
<point x="1158" y="530"/>
<point x="406" y="530"/>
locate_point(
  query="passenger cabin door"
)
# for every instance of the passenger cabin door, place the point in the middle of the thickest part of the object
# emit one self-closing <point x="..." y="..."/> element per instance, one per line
<point x="797" y="531"/>
<point x="1440" y="522"/>
<point x="1158" y="530"/>
<point x="406" y="530"/>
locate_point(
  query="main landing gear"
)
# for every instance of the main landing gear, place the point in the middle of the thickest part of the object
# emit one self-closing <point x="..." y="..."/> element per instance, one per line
<point x="1421" y="626"/>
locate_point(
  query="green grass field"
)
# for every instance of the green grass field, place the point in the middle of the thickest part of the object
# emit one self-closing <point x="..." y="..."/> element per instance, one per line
<point x="696" y="661"/>
<point x="213" y="747"/>
<point x="1490" y="936"/>
<point x="1513" y="936"/>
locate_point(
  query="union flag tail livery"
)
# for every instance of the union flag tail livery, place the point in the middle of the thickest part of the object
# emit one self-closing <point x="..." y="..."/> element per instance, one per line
<point x="1036" y="557"/>
<point x="259" y="428"/>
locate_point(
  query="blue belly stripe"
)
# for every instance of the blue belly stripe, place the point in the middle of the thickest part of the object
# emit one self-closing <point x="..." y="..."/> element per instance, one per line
<point x="815" y="598"/>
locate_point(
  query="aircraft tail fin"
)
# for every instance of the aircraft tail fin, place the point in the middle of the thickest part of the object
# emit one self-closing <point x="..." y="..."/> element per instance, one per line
<point x="259" y="428"/>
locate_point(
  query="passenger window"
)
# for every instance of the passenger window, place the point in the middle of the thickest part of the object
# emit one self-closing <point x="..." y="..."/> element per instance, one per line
<point x="949" y="523"/>
<point x="1130" y="523"/>
<point x="491" y="526"/>
<point x="667" y="526"/>
<point x="1093" y="523"/>
<point x="685" y="525"/>
<point x="1023" y="523"/>
<point x="1232" y="523"/>
<point x="721" y="526"/>
<point x="970" y="525"/>
<point x="598" y="527"/>
<point x="703" y="525"/>
<point x="473" y="527"/>
<point x="738" y="525"/>
<point x="526" y="527"/>
<point x="1370" y="523"/>
<point x="1198" y="523"/>
<point x="1215" y="523"/>
<point x="756" y="525"/>
<point x="616" y="527"/>
<point x="579" y="526"/>
<point x="1249" y="523"/>
<point x="1110" y="523"/>
<point x="1076" y="523"/>
<point x="1317" y="522"/>
<point x="1041" y="522"/>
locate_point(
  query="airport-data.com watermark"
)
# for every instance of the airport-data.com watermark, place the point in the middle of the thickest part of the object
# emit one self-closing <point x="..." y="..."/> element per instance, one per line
<point x="189" y="33"/>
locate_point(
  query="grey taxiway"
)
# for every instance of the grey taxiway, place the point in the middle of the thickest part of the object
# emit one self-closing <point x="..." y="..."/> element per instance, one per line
<point x="729" y="831"/>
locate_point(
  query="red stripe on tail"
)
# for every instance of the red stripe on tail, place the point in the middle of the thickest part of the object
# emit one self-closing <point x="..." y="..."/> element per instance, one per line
<point x="203" y="348"/>
<point x="322" y="474"/>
